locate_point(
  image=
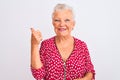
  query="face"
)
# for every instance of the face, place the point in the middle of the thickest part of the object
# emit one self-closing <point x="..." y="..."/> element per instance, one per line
<point x="63" y="22"/>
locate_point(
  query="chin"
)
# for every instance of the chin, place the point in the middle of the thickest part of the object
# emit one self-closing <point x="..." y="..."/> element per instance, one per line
<point x="63" y="35"/>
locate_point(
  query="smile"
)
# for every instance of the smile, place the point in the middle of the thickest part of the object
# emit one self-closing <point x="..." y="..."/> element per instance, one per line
<point x="62" y="29"/>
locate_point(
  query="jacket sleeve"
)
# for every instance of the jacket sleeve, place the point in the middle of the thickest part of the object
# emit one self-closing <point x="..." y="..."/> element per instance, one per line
<point x="39" y="74"/>
<point x="88" y="64"/>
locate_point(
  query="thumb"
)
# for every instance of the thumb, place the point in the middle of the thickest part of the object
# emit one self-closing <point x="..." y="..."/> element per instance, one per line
<point x="32" y="30"/>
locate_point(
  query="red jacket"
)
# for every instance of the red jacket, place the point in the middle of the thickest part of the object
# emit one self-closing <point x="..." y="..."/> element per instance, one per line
<point x="54" y="68"/>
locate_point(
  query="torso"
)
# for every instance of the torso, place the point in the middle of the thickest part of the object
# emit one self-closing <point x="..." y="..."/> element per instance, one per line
<point x="74" y="67"/>
<point x="65" y="49"/>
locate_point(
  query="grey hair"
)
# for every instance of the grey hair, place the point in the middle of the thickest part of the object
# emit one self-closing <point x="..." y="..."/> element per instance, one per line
<point x="60" y="7"/>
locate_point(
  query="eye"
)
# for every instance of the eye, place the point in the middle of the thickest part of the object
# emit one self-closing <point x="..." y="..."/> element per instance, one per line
<point x="67" y="20"/>
<point x="57" y="20"/>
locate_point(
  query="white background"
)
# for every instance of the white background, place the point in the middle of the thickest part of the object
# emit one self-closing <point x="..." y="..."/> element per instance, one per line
<point x="97" y="23"/>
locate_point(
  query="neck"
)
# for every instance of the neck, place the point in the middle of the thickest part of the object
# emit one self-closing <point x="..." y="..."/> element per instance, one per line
<point x="63" y="39"/>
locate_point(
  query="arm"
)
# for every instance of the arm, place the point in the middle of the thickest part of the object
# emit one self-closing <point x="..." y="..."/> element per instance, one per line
<point x="90" y="72"/>
<point x="35" y="57"/>
<point x="36" y="64"/>
<point x="89" y="65"/>
<point x="35" y="41"/>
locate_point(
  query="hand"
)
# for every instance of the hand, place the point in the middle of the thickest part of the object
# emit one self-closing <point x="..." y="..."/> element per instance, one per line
<point x="36" y="37"/>
<point x="81" y="79"/>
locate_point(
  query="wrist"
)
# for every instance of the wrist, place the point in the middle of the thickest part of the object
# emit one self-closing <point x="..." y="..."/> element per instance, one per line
<point x="34" y="45"/>
<point x="85" y="78"/>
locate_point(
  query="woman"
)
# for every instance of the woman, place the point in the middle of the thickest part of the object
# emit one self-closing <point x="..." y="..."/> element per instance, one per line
<point x="62" y="57"/>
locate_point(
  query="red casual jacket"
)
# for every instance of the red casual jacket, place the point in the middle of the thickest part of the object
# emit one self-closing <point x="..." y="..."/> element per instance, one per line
<point x="54" y="68"/>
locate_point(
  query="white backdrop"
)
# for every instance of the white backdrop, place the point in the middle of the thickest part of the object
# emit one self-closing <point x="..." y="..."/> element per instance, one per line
<point x="97" y="23"/>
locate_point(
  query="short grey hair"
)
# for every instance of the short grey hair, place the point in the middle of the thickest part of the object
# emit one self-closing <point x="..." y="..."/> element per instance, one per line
<point x="60" y="7"/>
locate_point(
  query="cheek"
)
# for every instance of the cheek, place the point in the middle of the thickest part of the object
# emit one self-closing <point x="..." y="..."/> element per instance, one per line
<point x="70" y="26"/>
<point x="56" y="26"/>
<point x="53" y="23"/>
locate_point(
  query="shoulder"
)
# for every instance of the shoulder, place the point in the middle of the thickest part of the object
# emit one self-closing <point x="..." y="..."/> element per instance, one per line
<point x="81" y="47"/>
<point x="79" y="44"/>
<point x="48" y="42"/>
<point x="78" y="41"/>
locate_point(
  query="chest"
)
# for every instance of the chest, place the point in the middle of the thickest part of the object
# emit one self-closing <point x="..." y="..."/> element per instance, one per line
<point x="65" y="51"/>
<point x="74" y="66"/>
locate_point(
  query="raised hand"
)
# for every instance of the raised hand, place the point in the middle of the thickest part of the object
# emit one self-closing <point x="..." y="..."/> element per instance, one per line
<point x="36" y="37"/>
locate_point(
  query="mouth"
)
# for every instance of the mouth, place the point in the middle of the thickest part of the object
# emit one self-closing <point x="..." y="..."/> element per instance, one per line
<point x="62" y="29"/>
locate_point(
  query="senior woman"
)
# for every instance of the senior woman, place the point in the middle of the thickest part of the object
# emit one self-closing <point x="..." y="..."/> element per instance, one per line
<point x="62" y="57"/>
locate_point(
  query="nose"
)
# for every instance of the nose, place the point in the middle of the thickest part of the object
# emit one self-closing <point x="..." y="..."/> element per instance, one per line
<point x="62" y="23"/>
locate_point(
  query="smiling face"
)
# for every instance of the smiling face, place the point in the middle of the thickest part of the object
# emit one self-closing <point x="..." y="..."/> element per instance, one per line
<point x="63" y="22"/>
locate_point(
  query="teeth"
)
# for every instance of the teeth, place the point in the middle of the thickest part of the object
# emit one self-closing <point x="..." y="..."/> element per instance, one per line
<point x="61" y="29"/>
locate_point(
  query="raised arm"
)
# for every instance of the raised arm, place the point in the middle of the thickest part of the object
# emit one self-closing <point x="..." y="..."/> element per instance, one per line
<point x="36" y="38"/>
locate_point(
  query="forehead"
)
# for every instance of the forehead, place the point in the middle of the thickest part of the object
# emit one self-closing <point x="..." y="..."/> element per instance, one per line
<point x="63" y="14"/>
